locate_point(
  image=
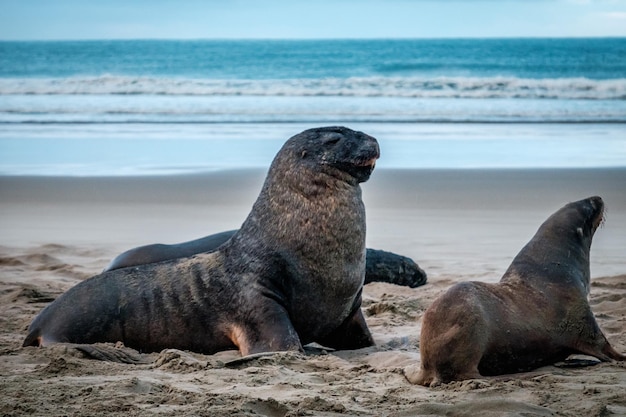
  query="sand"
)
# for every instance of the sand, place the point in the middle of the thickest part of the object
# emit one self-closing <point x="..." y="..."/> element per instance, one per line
<point x="458" y="225"/>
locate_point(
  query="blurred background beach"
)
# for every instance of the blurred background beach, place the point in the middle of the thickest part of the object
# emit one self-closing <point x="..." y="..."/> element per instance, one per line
<point x="110" y="144"/>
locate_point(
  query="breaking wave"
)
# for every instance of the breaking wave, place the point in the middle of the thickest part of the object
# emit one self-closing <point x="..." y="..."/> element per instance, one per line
<point x="442" y="87"/>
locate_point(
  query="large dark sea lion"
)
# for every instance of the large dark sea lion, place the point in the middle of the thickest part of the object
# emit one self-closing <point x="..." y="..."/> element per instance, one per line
<point x="380" y="266"/>
<point x="293" y="274"/>
<point x="536" y="315"/>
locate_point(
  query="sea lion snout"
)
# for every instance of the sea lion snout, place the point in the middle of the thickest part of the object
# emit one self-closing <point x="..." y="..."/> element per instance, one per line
<point x="363" y="156"/>
<point x="369" y="154"/>
<point x="590" y="212"/>
<point x="369" y="163"/>
<point x="597" y="204"/>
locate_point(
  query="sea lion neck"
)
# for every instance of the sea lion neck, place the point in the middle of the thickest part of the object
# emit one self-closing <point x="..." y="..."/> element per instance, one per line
<point x="561" y="246"/>
<point x="308" y="181"/>
<point x="293" y="201"/>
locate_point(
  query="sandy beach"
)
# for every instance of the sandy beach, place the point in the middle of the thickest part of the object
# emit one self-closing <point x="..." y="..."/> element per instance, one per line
<point x="456" y="224"/>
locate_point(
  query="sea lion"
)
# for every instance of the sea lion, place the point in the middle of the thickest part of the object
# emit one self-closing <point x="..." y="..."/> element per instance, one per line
<point x="293" y="274"/>
<point x="159" y="252"/>
<point x="536" y="315"/>
<point x="380" y="266"/>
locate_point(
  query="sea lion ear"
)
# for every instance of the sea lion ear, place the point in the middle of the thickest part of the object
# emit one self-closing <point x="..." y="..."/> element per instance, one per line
<point x="579" y="230"/>
<point x="303" y="154"/>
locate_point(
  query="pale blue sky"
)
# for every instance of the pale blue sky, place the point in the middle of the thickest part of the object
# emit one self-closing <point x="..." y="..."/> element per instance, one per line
<point x="286" y="19"/>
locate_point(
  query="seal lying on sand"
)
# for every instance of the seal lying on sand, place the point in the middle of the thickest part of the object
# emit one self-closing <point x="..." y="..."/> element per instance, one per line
<point x="536" y="315"/>
<point x="158" y="252"/>
<point x="380" y="266"/>
<point x="293" y="274"/>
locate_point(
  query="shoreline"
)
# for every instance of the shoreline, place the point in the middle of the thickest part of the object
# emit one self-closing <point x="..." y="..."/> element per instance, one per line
<point x="189" y="149"/>
<point x="489" y="214"/>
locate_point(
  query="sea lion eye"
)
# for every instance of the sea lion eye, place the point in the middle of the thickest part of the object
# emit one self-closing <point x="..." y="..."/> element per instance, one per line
<point x="332" y="140"/>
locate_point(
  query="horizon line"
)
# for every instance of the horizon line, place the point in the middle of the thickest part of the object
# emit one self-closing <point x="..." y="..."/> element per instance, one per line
<point x="313" y="39"/>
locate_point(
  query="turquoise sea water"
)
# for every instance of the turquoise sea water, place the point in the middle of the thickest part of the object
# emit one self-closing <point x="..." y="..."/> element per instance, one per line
<point x="151" y="107"/>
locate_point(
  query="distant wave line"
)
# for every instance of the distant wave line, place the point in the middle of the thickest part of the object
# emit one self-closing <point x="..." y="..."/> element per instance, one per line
<point x="401" y="87"/>
<point x="301" y="121"/>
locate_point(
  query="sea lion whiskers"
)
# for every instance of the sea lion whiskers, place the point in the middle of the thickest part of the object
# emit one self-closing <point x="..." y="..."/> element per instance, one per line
<point x="600" y="222"/>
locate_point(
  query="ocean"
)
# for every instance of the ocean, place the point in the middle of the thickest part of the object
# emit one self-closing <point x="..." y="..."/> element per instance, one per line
<point x="163" y="107"/>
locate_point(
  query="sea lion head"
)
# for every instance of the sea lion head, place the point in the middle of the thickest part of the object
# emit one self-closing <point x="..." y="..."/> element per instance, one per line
<point x="594" y="208"/>
<point x="562" y="241"/>
<point x="581" y="218"/>
<point x="337" y="151"/>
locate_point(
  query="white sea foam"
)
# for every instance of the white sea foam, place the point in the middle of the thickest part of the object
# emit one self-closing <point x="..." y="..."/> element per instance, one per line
<point x="289" y="109"/>
<point x="412" y="87"/>
<point x="111" y="108"/>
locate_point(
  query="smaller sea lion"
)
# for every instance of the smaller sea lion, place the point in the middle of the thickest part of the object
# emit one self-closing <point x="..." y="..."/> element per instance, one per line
<point x="380" y="266"/>
<point x="538" y="313"/>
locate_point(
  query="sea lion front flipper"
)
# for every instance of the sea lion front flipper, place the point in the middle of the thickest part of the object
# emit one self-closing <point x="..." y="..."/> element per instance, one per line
<point x="382" y="266"/>
<point x="271" y="331"/>
<point x="351" y="334"/>
<point x="594" y="342"/>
